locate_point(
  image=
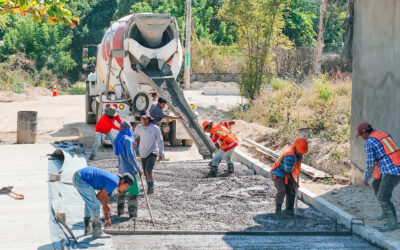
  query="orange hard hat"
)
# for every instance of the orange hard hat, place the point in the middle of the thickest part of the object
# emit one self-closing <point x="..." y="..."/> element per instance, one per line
<point x="301" y="145"/>
<point x="205" y="123"/>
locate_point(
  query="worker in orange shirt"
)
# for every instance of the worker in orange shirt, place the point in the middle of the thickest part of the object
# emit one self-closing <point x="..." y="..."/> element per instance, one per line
<point x="225" y="141"/>
<point x="104" y="126"/>
<point x="285" y="171"/>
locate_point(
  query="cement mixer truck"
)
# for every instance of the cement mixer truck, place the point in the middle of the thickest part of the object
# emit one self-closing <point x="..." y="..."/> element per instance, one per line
<point x="138" y="60"/>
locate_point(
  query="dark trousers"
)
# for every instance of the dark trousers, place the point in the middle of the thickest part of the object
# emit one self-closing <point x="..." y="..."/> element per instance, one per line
<point x="285" y="189"/>
<point x="148" y="163"/>
<point x="386" y="186"/>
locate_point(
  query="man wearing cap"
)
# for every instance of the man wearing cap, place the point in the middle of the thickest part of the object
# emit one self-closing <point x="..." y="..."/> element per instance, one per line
<point x="285" y="172"/>
<point x="158" y="113"/>
<point x="104" y="126"/>
<point x="383" y="163"/>
<point x="151" y="146"/>
<point x="123" y="148"/>
<point x="89" y="180"/>
<point x="225" y="141"/>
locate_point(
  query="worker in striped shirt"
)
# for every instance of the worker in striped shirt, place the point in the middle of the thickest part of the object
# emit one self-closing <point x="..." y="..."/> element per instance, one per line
<point x="383" y="163"/>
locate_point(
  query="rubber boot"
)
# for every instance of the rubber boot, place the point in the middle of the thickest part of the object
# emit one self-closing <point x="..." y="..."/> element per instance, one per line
<point x="289" y="204"/>
<point x="88" y="226"/>
<point x="133" y="205"/>
<point x="213" y="171"/>
<point x="120" y="205"/>
<point x="150" y="186"/>
<point x="278" y="208"/>
<point x="231" y="168"/>
<point x="391" y="218"/>
<point x="97" y="231"/>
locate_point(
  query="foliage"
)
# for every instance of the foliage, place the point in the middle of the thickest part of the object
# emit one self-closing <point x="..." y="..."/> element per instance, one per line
<point x="260" y="26"/>
<point x="210" y="58"/>
<point x="301" y="18"/>
<point x="323" y="88"/>
<point x="45" y="43"/>
<point x="288" y="106"/>
<point x="79" y="88"/>
<point x="53" y="11"/>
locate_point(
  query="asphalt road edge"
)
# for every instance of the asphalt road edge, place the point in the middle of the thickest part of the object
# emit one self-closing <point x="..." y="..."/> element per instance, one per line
<point x="357" y="226"/>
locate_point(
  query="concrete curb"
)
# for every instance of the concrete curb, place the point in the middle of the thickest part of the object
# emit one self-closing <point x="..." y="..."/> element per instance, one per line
<point x="356" y="225"/>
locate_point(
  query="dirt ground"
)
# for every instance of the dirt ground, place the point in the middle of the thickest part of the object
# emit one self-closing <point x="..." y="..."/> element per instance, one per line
<point x="185" y="199"/>
<point x="62" y="118"/>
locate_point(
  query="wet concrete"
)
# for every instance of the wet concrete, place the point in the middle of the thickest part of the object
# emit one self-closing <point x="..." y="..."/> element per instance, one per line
<point x="185" y="199"/>
<point x="238" y="242"/>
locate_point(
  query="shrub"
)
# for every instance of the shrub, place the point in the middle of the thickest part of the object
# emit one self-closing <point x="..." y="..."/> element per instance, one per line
<point x="323" y="88"/>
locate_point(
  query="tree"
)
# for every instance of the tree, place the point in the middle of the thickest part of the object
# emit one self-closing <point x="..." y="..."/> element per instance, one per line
<point x="54" y="11"/>
<point x="260" y="25"/>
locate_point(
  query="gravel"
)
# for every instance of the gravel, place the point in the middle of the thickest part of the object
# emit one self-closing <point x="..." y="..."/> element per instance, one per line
<point x="185" y="199"/>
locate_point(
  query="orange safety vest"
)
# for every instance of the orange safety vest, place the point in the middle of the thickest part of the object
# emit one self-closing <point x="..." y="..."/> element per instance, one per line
<point x="296" y="166"/>
<point x="390" y="148"/>
<point x="228" y="139"/>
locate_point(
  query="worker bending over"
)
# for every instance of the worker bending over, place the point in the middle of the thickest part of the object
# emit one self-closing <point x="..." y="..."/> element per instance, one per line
<point x="383" y="162"/>
<point x="225" y="141"/>
<point x="151" y="146"/>
<point x="285" y="171"/>
<point x="123" y="148"/>
<point x="89" y="180"/>
<point x="158" y="113"/>
<point x="104" y="126"/>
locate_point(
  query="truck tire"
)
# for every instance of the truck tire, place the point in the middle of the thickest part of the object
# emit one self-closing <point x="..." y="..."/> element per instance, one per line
<point x="172" y="140"/>
<point x="90" y="119"/>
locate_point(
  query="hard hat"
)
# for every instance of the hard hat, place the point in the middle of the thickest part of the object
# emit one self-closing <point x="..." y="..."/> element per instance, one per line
<point x="110" y="111"/>
<point x="363" y="127"/>
<point x="301" y="145"/>
<point x="205" y="123"/>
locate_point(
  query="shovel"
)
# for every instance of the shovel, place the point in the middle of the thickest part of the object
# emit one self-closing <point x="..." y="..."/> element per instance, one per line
<point x="8" y="190"/>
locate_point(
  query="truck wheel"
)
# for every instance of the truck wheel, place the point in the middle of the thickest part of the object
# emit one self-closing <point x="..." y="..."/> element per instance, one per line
<point x="90" y="119"/>
<point x="172" y="140"/>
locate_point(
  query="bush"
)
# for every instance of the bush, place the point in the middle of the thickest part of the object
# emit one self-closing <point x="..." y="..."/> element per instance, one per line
<point x="78" y="89"/>
<point x="323" y="88"/>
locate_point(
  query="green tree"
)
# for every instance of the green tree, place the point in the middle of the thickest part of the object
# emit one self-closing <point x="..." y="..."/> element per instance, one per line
<point x="260" y="25"/>
<point x="47" y="44"/>
<point x="54" y="11"/>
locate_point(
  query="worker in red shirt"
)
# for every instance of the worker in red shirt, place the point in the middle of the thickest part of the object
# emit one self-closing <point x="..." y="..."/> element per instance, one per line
<point x="104" y="126"/>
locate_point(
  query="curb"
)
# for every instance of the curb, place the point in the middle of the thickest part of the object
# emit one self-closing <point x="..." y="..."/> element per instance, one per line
<point x="347" y="220"/>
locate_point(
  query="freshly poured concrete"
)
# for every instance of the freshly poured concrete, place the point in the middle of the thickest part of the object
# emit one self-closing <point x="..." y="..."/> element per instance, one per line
<point x="24" y="224"/>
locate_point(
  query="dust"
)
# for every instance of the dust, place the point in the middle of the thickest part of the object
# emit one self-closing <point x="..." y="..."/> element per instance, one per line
<point x="185" y="199"/>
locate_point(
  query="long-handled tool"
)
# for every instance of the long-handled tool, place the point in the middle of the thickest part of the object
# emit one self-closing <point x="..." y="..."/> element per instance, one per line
<point x="147" y="200"/>
<point x="8" y="190"/>
<point x="297" y="196"/>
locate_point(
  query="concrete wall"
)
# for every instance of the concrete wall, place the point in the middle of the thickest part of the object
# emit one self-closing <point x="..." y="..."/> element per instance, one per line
<point x="208" y="77"/>
<point x="376" y="72"/>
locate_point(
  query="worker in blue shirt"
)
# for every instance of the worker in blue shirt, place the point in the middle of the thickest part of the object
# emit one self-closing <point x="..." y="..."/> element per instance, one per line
<point x="123" y="147"/>
<point x="383" y="163"/>
<point x="89" y="180"/>
<point x="158" y="113"/>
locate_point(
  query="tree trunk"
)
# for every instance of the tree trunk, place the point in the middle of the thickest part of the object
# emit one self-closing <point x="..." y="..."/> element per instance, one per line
<point x="347" y="51"/>
<point x="320" y="40"/>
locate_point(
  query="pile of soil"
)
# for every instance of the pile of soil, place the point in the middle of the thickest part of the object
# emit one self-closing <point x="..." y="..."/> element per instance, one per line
<point x="185" y="199"/>
<point x="29" y="93"/>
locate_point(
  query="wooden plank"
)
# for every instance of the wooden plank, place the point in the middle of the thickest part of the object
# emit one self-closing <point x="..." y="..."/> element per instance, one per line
<point x="308" y="170"/>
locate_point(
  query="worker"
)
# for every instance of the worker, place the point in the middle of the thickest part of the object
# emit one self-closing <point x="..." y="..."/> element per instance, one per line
<point x="225" y="141"/>
<point x="158" y="113"/>
<point x="285" y="172"/>
<point x="383" y="162"/>
<point x="89" y="180"/>
<point x="123" y="148"/>
<point x="104" y="126"/>
<point x="151" y="147"/>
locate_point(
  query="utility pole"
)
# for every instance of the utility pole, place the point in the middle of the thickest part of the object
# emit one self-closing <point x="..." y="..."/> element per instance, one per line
<point x="187" y="43"/>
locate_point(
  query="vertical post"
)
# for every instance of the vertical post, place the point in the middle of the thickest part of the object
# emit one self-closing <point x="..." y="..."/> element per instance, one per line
<point x="187" y="43"/>
<point x="26" y="127"/>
